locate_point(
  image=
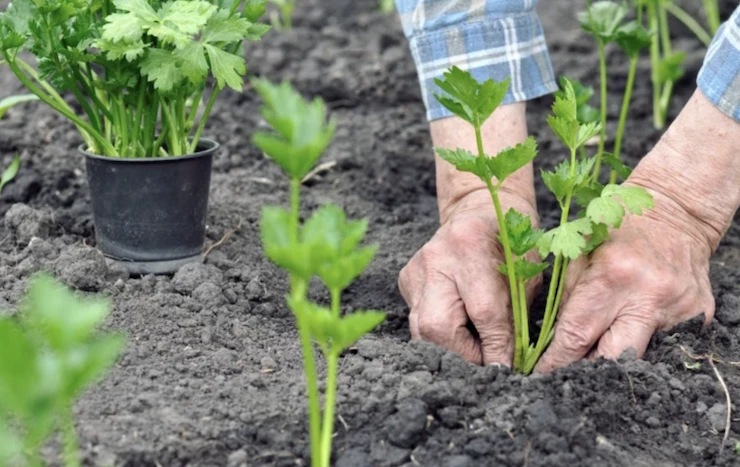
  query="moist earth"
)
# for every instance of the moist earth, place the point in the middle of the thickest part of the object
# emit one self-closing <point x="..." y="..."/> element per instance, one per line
<point x="212" y="374"/>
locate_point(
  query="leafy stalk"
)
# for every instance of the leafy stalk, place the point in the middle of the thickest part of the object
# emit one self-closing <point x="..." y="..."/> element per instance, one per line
<point x="711" y="10"/>
<point x="326" y="245"/>
<point x="603" y="108"/>
<point x="689" y="21"/>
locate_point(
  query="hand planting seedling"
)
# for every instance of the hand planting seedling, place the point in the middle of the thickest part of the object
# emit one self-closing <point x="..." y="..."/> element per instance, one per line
<point x="603" y="206"/>
<point x="326" y="245"/>
<point x="137" y="69"/>
<point x="51" y="353"/>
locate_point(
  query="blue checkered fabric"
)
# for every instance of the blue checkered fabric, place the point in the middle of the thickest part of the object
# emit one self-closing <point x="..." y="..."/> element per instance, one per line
<point x="719" y="78"/>
<point x="489" y="38"/>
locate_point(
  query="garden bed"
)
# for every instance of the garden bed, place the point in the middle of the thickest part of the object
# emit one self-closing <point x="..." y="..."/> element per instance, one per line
<point x="213" y="372"/>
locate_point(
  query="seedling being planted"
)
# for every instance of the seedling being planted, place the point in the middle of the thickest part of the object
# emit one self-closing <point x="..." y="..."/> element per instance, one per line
<point x="51" y="353"/>
<point x="603" y="207"/>
<point x="326" y="245"/>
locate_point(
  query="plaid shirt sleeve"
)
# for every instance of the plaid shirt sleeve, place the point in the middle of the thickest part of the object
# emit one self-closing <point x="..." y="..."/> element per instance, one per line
<point x="719" y="78"/>
<point x="489" y="38"/>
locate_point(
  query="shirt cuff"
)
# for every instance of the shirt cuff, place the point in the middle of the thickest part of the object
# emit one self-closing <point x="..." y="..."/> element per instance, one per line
<point x="489" y="48"/>
<point x="719" y="77"/>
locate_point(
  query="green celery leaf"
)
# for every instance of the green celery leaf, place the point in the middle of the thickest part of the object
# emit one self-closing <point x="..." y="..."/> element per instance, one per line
<point x="567" y="239"/>
<point x="565" y="105"/>
<point x="599" y="235"/>
<point x="322" y="324"/>
<point x="188" y="16"/>
<point x="224" y="28"/>
<point x="622" y="170"/>
<point x="140" y="8"/>
<point x="122" y="27"/>
<point x="11" y="448"/>
<point x="295" y="256"/>
<point x="588" y="113"/>
<point x="342" y="271"/>
<point x="18" y="372"/>
<point x="586" y="131"/>
<point x="118" y="50"/>
<point x="582" y="92"/>
<point x="8" y="102"/>
<point x="522" y="237"/>
<point x="463" y="160"/>
<point x="635" y="199"/>
<point x="162" y="67"/>
<point x="59" y="315"/>
<point x="352" y="327"/>
<point x="606" y="210"/>
<point x="85" y="364"/>
<point x="559" y="181"/>
<point x="632" y="37"/>
<point x="254" y="10"/>
<point x="670" y="68"/>
<point x="586" y="193"/>
<point x="193" y="64"/>
<point x="566" y="130"/>
<point x="469" y="99"/>
<point x="256" y="31"/>
<point x="526" y="270"/>
<point x="10" y="172"/>
<point x="510" y="160"/>
<point x="301" y="130"/>
<point x="603" y="18"/>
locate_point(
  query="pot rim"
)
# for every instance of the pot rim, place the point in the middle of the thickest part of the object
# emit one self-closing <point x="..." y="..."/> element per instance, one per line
<point x="212" y="147"/>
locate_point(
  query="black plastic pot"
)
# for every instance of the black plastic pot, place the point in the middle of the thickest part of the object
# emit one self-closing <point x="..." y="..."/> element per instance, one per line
<point x="150" y="213"/>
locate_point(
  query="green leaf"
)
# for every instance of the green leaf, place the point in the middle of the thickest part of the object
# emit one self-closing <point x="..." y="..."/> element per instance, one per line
<point x="522" y="237"/>
<point x="140" y="8"/>
<point x="609" y="207"/>
<point x="89" y="362"/>
<point x="162" y="67"/>
<point x="8" y="102"/>
<point x="582" y="92"/>
<point x="187" y="16"/>
<point x="586" y="193"/>
<point x="61" y="317"/>
<point x="469" y="99"/>
<point x="224" y="28"/>
<point x="254" y="10"/>
<point x="17" y="368"/>
<point x="10" y="172"/>
<point x="632" y="37"/>
<point x="193" y="62"/>
<point x="296" y="257"/>
<point x="11" y="448"/>
<point x="567" y="239"/>
<point x="670" y="68"/>
<point x="354" y="326"/>
<point x="635" y="199"/>
<point x="463" y="160"/>
<point x="603" y="18"/>
<point x="622" y="170"/>
<point x="118" y="50"/>
<point x="565" y="105"/>
<point x="122" y="27"/>
<point x="301" y="132"/>
<point x="341" y="272"/>
<point x="256" y="31"/>
<point x="559" y="181"/>
<point x="566" y="130"/>
<point x="599" y="235"/>
<point x="588" y="113"/>
<point x="586" y="131"/>
<point x="525" y="270"/>
<point x="510" y="160"/>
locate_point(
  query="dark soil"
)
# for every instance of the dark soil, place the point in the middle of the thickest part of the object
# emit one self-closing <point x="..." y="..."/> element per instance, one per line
<point x="213" y="374"/>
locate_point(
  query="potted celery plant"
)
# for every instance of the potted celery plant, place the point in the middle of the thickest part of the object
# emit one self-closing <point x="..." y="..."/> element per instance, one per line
<point x="137" y="72"/>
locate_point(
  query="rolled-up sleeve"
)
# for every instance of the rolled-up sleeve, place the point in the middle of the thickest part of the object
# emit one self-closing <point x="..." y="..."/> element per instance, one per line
<point x="489" y="38"/>
<point x="719" y="77"/>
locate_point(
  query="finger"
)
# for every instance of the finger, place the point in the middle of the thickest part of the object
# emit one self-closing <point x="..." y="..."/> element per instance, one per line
<point x="414" y="325"/>
<point x="441" y="319"/>
<point x="486" y="299"/>
<point x="583" y="320"/>
<point x="411" y="282"/>
<point x="625" y="333"/>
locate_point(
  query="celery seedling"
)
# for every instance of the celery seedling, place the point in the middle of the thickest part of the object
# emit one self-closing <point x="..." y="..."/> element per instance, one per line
<point x="326" y="246"/>
<point x="585" y="113"/>
<point x="602" y="20"/>
<point x="138" y="70"/>
<point x="631" y="38"/>
<point x="282" y="17"/>
<point x="10" y="171"/>
<point x="51" y="353"/>
<point x="604" y="206"/>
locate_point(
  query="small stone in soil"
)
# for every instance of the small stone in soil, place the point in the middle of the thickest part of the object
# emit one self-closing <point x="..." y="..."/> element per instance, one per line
<point x="25" y="222"/>
<point x="190" y="276"/>
<point x="406" y="427"/>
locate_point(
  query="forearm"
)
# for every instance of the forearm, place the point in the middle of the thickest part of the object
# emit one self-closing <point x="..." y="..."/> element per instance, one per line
<point x="694" y="171"/>
<point x="506" y="128"/>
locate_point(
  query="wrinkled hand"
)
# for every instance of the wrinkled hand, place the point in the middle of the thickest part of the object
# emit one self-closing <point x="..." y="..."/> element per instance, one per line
<point x="652" y="274"/>
<point x="453" y="280"/>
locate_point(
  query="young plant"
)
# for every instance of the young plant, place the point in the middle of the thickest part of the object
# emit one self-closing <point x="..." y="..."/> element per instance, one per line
<point x="631" y="37"/>
<point x="51" y="353"/>
<point x="572" y="179"/>
<point x="137" y="69"/>
<point x="10" y="172"/>
<point x="8" y="102"/>
<point x="585" y="113"/>
<point x="602" y="20"/>
<point x="666" y="66"/>
<point x="326" y="245"/>
<point x="282" y="16"/>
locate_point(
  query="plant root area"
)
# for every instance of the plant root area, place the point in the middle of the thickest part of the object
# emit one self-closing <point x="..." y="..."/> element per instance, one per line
<point x="212" y="375"/>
